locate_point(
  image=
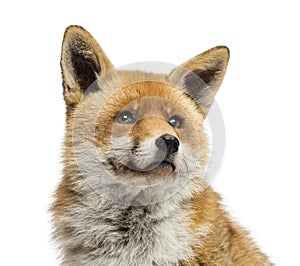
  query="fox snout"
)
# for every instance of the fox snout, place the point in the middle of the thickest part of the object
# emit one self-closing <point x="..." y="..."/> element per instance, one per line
<point x="168" y="144"/>
<point x="152" y="153"/>
<point x="149" y="143"/>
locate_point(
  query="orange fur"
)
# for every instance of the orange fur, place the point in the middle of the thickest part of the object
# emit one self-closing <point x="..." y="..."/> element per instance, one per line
<point x="225" y="242"/>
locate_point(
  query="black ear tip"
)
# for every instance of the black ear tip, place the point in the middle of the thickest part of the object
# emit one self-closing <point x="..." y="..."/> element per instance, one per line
<point x="223" y="47"/>
<point x="75" y="30"/>
<point x="223" y="51"/>
<point x="75" y="27"/>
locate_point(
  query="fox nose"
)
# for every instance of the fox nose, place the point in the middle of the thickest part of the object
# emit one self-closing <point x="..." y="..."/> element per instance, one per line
<point x="168" y="143"/>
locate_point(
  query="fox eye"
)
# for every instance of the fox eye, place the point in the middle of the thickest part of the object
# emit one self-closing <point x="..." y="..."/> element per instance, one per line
<point x="125" y="117"/>
<point x="176" y="121"/>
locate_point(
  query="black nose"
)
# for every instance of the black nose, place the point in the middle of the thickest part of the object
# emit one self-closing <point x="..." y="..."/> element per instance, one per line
<point x="167" y="143"/>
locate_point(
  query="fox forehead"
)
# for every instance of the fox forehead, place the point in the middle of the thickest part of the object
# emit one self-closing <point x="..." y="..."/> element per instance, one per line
<point x="151" y="98"/>
<point x="151" y="106"/>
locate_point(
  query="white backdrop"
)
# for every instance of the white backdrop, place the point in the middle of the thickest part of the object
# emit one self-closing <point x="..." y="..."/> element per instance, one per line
<point x="259" y="100"/>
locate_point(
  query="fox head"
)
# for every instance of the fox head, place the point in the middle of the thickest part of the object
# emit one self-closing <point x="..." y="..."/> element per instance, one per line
<point x="131" y="135"/>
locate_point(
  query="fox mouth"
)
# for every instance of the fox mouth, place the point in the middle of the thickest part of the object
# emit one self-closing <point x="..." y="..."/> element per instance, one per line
<point x="167" y="164"/>
<point x="157" y="164"/>
<point x="154" y="173"/>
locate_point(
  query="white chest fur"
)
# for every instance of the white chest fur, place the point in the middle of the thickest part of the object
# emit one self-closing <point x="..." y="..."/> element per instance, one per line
<point x="106" y="234"/>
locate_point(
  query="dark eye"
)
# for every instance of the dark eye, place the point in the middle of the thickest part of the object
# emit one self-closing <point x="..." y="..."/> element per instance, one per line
<point x="125" y="117"/>
<point x="176" y="121"/>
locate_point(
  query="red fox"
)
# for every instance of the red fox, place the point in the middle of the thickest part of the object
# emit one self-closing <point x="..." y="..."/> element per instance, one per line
<point x="133" y="190"/>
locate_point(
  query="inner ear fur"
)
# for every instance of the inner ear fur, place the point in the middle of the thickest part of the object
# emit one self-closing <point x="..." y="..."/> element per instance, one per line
<point x="202" y="75"/>
<point x="82" y="60"/>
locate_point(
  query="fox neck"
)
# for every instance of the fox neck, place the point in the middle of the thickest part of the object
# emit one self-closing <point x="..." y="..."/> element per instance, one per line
<point x="98" y="232"/>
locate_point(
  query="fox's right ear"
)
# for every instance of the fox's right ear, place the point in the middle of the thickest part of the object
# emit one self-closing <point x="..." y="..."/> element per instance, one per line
<point x="202" y="75"/>
<point x="82" y="60"/>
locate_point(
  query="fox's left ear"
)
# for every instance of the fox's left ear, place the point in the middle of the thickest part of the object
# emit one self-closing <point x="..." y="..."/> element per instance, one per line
<point x="82" y="61"/>
<point x="202" y="75"/>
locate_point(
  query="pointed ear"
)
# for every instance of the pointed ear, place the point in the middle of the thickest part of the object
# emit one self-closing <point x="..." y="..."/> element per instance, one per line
<point x="202" y="75"/>
<point x="82" y="60"/>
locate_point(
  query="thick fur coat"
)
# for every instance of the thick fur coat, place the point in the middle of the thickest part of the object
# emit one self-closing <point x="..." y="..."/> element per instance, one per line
<point x="133" y="190"/>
